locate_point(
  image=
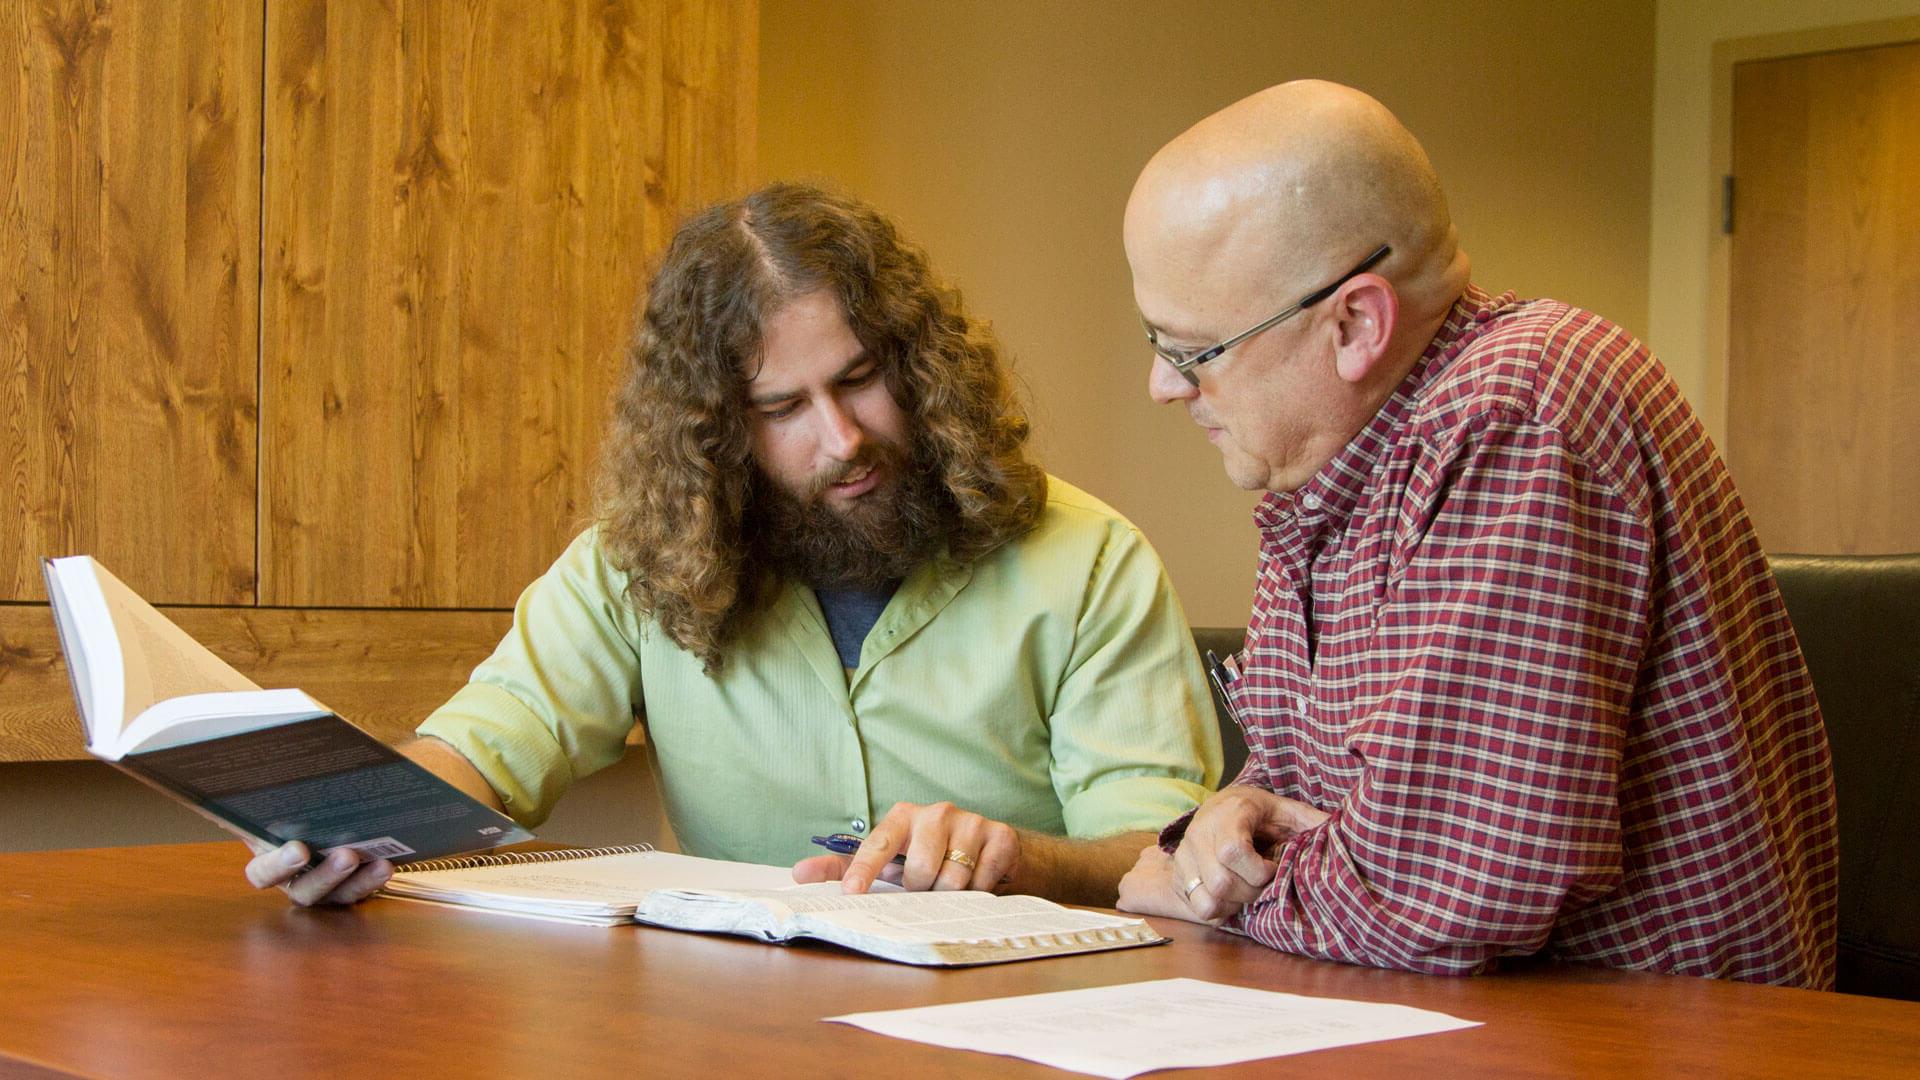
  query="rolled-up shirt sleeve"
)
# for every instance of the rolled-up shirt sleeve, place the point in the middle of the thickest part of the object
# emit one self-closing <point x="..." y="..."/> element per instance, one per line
<point x="1133" y="735"/>
<point x="556" y="700"/>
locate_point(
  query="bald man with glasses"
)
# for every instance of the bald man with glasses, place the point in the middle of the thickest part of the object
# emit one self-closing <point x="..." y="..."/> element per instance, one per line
<point x="1518" y="681"/>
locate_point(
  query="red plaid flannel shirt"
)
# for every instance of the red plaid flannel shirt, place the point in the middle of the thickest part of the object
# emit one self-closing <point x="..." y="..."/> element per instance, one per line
<point x="1519" y="640"/>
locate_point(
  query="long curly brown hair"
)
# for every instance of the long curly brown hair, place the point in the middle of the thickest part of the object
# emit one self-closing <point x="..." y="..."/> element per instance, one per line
<point x="674" y="489"/>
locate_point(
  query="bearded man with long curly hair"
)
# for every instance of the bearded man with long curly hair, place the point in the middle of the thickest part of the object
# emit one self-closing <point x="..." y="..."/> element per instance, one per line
<point x="829" y="580"/>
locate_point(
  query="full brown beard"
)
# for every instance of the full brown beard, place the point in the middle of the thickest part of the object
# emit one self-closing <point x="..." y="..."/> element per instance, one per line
<point x="878" y="538"/>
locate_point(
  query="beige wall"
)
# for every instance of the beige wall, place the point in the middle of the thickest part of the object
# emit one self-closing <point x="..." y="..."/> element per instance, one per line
<point x="1686" y="313"/>
<point x="1005" y="136"/>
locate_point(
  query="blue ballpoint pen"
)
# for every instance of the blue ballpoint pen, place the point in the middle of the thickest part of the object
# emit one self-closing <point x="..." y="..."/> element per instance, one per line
<point x="841" y="843"/>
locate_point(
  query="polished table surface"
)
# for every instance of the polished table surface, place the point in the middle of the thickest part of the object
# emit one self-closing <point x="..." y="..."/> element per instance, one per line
<point x="160" y="961"/>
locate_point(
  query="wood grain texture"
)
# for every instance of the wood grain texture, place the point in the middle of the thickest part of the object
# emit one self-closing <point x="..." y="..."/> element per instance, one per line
<point x="129" y="257"/>
<point x="461" y="202"/>
<point x="186" y="966"/>
<point x="1824" y="363"/>
<point x="383" y="670"/>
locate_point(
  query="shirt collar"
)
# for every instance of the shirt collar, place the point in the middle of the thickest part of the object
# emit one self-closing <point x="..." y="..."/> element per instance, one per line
<point x="1296" y="519"/>
<point x="926" y="590"/>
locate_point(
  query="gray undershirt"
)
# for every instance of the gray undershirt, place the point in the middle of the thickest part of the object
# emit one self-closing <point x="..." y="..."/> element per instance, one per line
<point x="850" y="614"/>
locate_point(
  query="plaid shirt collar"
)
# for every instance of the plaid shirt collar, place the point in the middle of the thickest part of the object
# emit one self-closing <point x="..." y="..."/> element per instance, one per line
<point x="1296" y="522"/>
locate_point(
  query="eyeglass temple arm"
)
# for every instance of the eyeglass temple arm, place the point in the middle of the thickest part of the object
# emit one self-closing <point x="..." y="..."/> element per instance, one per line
<point x="1366" y="264"/>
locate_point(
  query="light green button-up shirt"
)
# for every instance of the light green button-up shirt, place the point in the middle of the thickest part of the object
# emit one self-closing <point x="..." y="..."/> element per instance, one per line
<point x="1051" y="684"/>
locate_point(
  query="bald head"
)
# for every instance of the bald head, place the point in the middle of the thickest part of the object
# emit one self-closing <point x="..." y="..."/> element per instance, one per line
<point x="1295" y="184"/>
<point x="1258" y="205"/>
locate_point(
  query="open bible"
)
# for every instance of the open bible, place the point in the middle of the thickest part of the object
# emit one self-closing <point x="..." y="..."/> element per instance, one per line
<point x="610" y="886"/>
<point x="271" y="765"/>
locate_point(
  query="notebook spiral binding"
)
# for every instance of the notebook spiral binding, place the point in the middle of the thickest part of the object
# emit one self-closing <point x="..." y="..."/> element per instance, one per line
<point x="510" y="858"/>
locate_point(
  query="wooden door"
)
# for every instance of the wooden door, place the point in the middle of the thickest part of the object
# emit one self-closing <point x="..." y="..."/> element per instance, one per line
<point x="461" y="200"/>
<point x="1824" y="366"/>
<point x="129" y="285"/>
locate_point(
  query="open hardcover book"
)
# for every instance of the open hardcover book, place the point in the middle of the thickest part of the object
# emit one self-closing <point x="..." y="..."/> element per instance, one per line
<point x="610" y="886"/>
<point x="273" y="765"/>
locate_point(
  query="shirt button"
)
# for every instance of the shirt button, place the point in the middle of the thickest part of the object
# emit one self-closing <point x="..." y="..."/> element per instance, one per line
<point x="1300" y="703"/>
<point x="1310" y="501"/>
<point x="859" y="824"/>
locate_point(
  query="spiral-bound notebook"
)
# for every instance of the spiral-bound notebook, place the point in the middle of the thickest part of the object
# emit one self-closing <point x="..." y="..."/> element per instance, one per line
<point x="611" y="886"/>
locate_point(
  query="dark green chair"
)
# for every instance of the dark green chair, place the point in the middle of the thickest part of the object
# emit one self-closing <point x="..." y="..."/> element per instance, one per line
<point x="1224" y="641"/>
<point x="1858" y="620"/>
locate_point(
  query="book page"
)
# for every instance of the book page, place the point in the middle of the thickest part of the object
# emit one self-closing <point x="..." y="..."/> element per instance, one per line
<point x="194" y="717"/>
<point x="162" y="660"/>
<point x="946" y="916"/>
<point x="1123" y="1031"/>
<point x="87" y="641"/>
<point x="159" y="660"/>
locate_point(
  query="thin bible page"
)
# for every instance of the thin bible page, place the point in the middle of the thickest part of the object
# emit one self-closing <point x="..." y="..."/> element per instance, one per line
<point x="931" y="916"/>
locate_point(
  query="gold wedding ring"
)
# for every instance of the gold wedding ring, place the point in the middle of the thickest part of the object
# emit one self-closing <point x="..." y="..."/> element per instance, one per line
<point x="1187" y="893"/>
<point x="964" y="859"/>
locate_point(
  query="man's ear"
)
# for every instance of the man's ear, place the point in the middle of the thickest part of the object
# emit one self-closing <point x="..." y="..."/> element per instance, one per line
<point x="1365" y="311"/>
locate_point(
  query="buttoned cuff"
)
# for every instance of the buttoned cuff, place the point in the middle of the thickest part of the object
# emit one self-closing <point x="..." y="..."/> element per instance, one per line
<point x="1175" y="831"/>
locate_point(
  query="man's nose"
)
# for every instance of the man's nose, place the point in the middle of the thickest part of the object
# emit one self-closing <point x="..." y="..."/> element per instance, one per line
<point x="1165" y="384"/>
<point x="842" y="436"/>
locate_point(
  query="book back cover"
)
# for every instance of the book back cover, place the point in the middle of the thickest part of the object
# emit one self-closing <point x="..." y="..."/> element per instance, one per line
<point x="329" y="784"/>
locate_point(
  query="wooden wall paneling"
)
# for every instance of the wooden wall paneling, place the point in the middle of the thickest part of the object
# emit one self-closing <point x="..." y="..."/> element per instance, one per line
<point x="710" y="68"/>
<point x="537" y="355"/>
<point x="330" y="300"/>
<point x="709" y="128"/>
<point x="383" y="670"/>
<point x="129" y="257"/>
<point x="461" y="205"/>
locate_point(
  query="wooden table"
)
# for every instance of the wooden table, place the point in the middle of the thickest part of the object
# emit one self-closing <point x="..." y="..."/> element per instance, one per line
<point x="160" y="961"/>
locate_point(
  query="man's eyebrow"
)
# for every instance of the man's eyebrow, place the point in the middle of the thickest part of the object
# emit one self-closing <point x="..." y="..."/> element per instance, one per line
<point x="777" y="396"/>
<point x="1164" y="334"/>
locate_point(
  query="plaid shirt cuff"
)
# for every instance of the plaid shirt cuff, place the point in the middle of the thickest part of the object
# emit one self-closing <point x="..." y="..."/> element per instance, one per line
<point x="1177" y="828"/>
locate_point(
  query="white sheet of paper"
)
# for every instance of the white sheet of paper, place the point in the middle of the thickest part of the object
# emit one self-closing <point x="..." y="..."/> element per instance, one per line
<point x="1125" y="1030"/>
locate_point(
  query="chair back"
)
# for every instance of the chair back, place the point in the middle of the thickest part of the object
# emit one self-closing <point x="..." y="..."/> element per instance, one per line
<point x="1858" y="621"/>
<point x="1224" y="641"/>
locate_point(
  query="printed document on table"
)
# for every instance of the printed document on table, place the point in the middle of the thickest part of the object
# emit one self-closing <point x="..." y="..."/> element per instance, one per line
<point x="1126" y="1030"/>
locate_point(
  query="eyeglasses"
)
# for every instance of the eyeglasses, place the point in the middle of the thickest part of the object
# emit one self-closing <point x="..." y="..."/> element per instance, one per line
<point x="1185" y="361"/>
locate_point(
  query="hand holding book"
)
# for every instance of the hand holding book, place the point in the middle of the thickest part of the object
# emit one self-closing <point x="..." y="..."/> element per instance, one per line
<point x="344" y="876"/>
<point x="347" y="876"/>
<point x="270" y="766"/>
